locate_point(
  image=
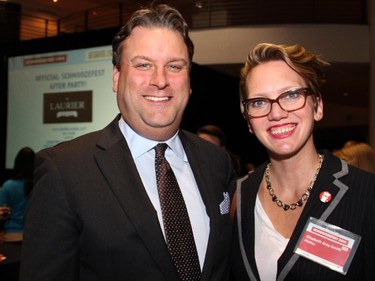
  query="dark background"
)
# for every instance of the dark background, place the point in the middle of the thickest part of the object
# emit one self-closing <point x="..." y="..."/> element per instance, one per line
<point x="214" y="99"/>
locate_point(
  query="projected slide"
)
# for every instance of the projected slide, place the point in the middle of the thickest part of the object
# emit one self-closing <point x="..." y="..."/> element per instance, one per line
<point x="54" y="97"/>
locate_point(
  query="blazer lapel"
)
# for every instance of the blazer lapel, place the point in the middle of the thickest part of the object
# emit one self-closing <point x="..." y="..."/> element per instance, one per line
<point x="328" y="180"/>
<point x="248" y="219"/>
<point x="115" y="161"/>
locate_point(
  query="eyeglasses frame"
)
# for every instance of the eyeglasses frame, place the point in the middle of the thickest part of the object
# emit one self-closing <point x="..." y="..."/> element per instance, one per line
<point x="307" y="92"/>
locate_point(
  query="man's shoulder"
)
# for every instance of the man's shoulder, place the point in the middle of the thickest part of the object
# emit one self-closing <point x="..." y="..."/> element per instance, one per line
<point x="81" y="144"/>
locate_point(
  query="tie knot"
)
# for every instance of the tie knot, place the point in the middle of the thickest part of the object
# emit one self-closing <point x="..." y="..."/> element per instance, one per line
<point x="160" y="149"/>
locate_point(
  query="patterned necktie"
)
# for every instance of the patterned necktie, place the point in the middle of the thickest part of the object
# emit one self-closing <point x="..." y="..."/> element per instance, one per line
<point x="178" y="232"/>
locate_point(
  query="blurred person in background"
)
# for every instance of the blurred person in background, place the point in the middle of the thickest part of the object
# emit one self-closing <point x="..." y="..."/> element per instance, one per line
<point x="358" y="154"/>
<point x="14" y="195"/>
<point x="216" y="135"/>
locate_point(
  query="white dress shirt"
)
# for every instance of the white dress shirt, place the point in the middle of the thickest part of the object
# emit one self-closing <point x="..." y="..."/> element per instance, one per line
<point x="143" y="153"/>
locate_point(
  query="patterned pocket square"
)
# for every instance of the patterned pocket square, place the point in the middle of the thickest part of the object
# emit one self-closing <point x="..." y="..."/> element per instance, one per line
<point x="224" y="206"/>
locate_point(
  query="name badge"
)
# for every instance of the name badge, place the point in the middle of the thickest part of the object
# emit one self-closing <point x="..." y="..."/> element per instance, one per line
<point x="328" y="245"/>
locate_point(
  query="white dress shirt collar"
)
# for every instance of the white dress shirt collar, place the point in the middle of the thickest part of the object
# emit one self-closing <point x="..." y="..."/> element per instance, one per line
<point x="139" y="145"/>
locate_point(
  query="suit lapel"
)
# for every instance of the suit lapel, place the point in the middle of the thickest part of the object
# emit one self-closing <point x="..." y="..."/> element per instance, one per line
<point x="199" y="166"/>
<point x="117" y="165"/>
<point x="204" y="179"/>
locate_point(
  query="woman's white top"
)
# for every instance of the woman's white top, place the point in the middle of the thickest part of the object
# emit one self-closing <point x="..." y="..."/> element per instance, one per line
<point x="269" y="244"/>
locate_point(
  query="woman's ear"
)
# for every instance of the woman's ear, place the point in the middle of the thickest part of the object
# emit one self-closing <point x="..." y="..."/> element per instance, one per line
<point x="318" y="115"/>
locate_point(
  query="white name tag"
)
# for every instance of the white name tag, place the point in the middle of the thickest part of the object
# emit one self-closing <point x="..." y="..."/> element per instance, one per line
<point x="328" y="245"/>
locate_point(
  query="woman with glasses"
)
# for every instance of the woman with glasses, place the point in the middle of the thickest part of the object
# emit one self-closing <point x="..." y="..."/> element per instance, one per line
<point x="304" y="214"/>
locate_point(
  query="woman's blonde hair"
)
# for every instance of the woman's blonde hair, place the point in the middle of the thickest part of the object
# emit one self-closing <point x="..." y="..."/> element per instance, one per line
<point x="308" y="65"/>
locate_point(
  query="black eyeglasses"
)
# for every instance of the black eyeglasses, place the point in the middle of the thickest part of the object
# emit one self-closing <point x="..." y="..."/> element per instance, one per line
<point x="288" y="101"/>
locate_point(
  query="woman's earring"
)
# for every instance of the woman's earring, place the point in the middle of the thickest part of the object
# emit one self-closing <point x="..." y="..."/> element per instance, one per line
<point x="249" y="126"/>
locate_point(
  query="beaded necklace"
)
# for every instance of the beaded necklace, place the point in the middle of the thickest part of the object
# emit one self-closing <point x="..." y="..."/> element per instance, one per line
<point x="304" y="197"/>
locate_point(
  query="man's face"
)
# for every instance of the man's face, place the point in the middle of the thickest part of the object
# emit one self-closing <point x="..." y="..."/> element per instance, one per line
<point x="153" y="84"/>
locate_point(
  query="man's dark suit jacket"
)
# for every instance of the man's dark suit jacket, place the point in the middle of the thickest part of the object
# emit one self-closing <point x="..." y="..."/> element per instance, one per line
<point x="90" y="217"/>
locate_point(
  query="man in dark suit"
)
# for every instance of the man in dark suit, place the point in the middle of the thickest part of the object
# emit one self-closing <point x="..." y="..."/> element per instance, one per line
<point x="95" y="212"/>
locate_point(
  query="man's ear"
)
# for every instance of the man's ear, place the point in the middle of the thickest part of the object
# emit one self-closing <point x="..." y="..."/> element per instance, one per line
<point x="115" y="78"/>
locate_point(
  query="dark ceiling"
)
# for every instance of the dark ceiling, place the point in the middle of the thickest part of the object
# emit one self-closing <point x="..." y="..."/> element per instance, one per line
<point x="347" y="83"/>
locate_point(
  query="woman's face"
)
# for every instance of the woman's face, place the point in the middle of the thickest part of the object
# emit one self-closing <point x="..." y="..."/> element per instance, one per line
<point x="282" y="133"/>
